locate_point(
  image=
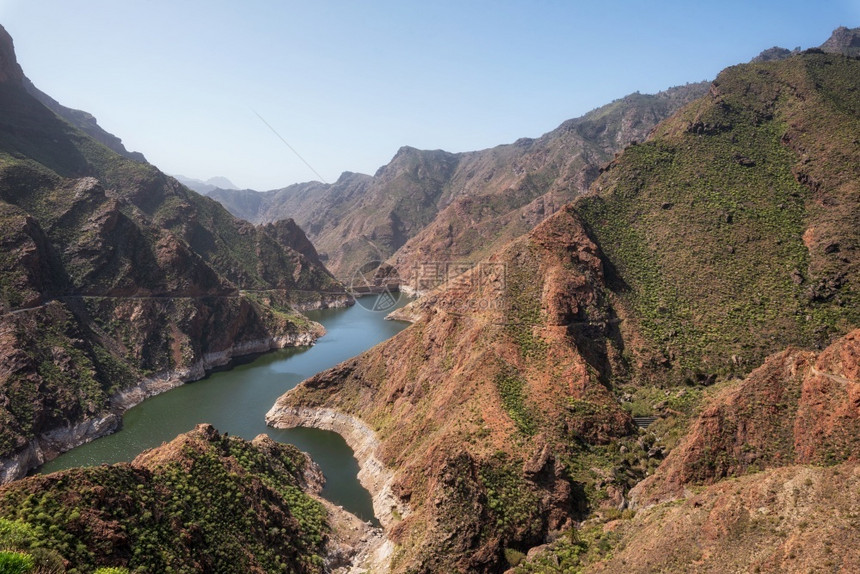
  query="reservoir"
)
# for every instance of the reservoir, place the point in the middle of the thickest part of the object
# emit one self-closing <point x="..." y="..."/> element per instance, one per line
<point x="235" y="401"/>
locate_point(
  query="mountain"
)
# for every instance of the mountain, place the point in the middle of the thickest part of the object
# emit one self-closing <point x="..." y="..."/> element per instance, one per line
<point x="440" y="206"/>
<point x="117" y="282"/>
<point x="84" y="121"/>
<point x="201" y="503"/>
<point x="501" y="419"/>
<point x="845" y="41"/>
<point x="766" y="480"/>
<point x="798" y="408"/>
<point x="481" y="407"/>
<point x="206" y="187"/>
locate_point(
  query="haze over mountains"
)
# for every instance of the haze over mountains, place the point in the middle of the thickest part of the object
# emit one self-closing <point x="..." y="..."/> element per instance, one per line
<point x="437" y="206"/>
<point x="208" y="186"/>
<point x="117" y="281"/>
<point x="690" y="257"/>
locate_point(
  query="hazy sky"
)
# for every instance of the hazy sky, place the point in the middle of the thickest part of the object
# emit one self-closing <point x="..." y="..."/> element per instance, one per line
<point x="347" y="83"/>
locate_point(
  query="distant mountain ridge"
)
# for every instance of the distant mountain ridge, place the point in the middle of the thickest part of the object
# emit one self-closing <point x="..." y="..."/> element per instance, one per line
<point x="436" y="206"/>
<point x="845" y="41"/>
<point x="206" y="187"/>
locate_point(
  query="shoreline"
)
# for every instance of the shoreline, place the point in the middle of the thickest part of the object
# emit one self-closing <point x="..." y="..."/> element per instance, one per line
<point x="373" y="474"/>
<point x="50" y="444"/>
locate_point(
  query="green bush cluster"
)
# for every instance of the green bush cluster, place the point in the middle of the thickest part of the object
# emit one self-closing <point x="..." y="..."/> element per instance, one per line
<point x="513" y="504"/>
<point x="228" y="507"/>
<point x="572" y="552"/>
<point x="510" y="385"/>
<point x="12" y="562"/>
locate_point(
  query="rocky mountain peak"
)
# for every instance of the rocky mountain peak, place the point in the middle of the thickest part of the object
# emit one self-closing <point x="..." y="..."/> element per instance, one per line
<point x="774" y="54"/>
<point x="10" y="71"/>
<point x="843" y="41"/>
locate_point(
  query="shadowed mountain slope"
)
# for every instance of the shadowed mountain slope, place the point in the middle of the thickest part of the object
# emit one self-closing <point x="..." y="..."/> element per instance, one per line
<point x="117" y="282"/>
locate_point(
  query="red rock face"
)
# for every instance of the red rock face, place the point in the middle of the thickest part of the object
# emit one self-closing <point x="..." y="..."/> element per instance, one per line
<point x="827" y="426"/>
<point x="479" y="403"/>
<point x="797" y="408"/>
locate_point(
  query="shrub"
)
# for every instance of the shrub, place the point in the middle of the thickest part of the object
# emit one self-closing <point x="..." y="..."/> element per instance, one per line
<point x="514" y="557"/>
<point x="15" y="562"/>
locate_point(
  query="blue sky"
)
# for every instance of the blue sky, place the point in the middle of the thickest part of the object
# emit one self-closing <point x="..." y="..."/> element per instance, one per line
<point x="347" y="83"/>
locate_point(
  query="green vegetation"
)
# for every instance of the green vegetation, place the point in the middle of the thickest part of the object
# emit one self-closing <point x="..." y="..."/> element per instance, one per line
<point x="514" y="506"/>
<point x="15" y="562"/>
<point x="573" y="551"/>
<point x="510" y="386"/>
<point x="56" y="351"/>
<point x="210" y="504"/>
<point x="523" y="311"/>
<point x="704" y="225"/>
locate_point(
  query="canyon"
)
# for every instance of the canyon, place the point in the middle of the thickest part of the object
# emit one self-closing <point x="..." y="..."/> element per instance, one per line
<point x="650" y="362"/>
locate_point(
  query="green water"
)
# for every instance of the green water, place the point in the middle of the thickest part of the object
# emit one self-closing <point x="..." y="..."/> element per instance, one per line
<point x="236" y="401"/>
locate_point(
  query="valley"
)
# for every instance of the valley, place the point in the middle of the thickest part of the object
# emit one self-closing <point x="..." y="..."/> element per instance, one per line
<point x="634" y="345"/>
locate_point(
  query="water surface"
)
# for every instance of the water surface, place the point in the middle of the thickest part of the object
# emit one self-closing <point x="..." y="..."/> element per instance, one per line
<point x="235" y="401"/>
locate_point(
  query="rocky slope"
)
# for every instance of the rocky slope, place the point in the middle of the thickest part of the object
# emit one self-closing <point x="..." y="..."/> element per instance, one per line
<point x="845" y="41"/>
<point x="114" y="277"/>
<point x="727" y="236"/>
<point x="734" y="230"/>
<point x="479" y="407"/>
<point x="439" y="206"/>
<point x="741" y="501"/>
<point x="798" y="408"/>
<point x="765" y="481"/>
<point x="201" y="503"/>
<point x="787" y="519"/>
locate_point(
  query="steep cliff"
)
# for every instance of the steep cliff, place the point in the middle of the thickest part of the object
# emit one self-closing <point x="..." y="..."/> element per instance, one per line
<point x="113" y="278"/>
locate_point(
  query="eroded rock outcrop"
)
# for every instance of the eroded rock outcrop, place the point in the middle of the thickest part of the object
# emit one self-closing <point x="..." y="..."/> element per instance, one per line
<point x="800" y="407"/>
<point x="467" y="416"/>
